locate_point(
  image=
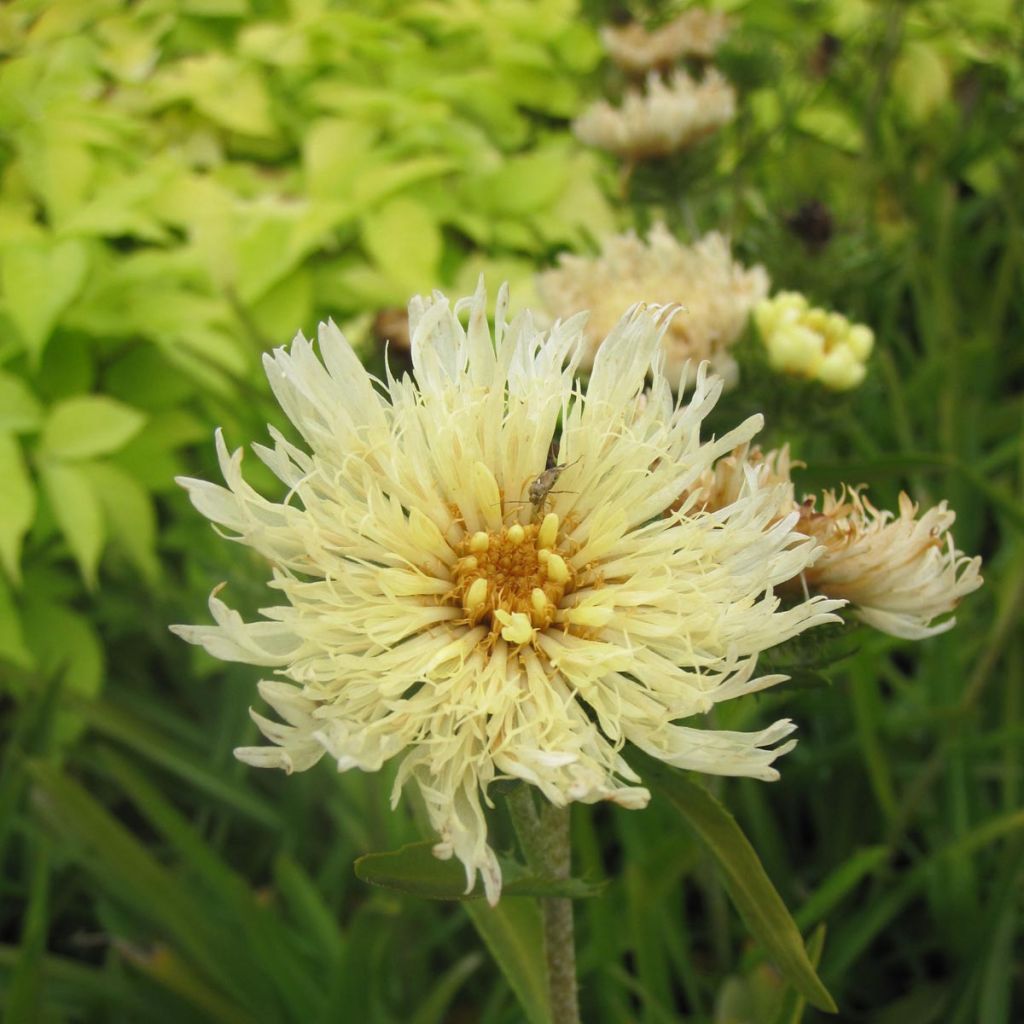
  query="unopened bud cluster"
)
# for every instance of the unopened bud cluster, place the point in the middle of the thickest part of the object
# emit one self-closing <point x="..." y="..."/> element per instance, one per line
<point x="815" y="343"/>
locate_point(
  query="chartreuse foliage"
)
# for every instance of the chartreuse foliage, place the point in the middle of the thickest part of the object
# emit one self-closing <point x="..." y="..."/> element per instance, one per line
<point x="186" y="182"/>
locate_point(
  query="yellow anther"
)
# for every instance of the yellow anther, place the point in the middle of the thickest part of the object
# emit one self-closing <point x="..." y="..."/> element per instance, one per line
<point x="543" y="555"/>
<point x="539" y="600"/>
<point x="476" y="596"/>
<point x="468" y="564"/>
<point x="516" y="534"/>
<point x="516" y="628"/>
<point x="548" y="532"/>
<point x="479" y="542"/>
<point x="556" y="568"/>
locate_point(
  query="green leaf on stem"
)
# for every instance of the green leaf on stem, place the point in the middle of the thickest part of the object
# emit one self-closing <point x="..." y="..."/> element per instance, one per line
<point x="414" y="870"/>
<point x="745" y="880"/>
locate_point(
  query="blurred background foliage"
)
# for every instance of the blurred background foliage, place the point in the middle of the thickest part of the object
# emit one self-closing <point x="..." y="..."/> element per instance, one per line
<point x="184" y="184"/>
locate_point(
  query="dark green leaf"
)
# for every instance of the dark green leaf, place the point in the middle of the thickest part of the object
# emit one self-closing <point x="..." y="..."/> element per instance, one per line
<point x="749" y="887"/>
<point x="416" y="871"/>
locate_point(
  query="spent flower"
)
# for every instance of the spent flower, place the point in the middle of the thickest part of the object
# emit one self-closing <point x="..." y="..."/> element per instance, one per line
<point x="669" y="115"/>
<point x="428" y="610"/>
<point x="694" y="33"/>
<point x="900" y="572"/>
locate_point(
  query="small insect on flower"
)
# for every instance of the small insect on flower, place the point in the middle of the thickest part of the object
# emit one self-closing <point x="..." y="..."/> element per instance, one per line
<point x="541" y="485"/>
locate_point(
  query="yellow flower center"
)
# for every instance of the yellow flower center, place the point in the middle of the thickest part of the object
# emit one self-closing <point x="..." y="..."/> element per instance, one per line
<point x="513" y="579"/>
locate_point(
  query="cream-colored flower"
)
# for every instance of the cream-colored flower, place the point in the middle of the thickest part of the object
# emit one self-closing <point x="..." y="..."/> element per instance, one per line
<point x="664" y="118"/>
<point x="429" y="611"/>
<point x="811" y="342"/>
<point x="900" y="573"/>
<point x="694" y="33"/>
<point x="716" y="294"/>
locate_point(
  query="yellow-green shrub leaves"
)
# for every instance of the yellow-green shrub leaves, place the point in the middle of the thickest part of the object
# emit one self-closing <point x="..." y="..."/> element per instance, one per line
<point x="39" y="279"/>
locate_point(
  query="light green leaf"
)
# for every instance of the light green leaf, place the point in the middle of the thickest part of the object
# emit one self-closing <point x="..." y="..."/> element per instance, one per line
<point x="832" y="125"/>
<point x="749" y="887"/>
<point x="287" y="307"/>
<point x="130" y="515"/>
<point x="271" y="241"/>
<point x="378" y="183"/>
<point x="513" y="932"/>
<point x="79" y="514"/>
<point x="404" y="241"/>
<point x="524" y="184"/>
<point x="39" y="281"/>
<point x="414" y="870"/>
<point x="88" y="425"/>
<point x="333" y="152"/>
<point x="921" y="80"/>
<point x="20" y="411"/>
<point x="18" y="507"/>
<point x="59" y="161"/>
<point x="228" y="91"/>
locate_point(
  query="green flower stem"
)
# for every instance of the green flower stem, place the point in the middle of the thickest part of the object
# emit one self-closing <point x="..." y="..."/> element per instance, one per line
<point x="544" y="838"/>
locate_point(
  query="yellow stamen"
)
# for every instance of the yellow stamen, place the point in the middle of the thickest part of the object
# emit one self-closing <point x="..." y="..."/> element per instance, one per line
<point x="548" y="532"/>
<point x="476" y="596"/>
<point x="557" y="570"/>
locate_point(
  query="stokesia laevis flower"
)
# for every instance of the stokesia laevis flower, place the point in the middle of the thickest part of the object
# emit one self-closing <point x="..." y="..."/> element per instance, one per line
<point x="429" y="611"/>
<point x="696" y="32"/>
<point x="716" y="293"/>
<point x="666" y="117"/>
<point x="901" y="574"/>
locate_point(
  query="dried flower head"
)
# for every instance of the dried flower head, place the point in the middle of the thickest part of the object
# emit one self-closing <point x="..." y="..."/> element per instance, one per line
<point x="694" y="33"/>
<point x="900" y="573"/>
<point x="814" y="343"/>
<point x="666" y="117"/>
<point x="430" y="611"/>
<point x="715" y="292"/>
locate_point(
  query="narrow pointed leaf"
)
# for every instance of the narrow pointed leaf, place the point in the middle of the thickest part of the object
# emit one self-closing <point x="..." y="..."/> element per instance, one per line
<point x="746" y="881"/>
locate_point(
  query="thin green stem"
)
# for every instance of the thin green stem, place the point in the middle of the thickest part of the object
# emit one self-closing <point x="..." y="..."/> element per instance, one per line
<point x="545" y="840"/>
